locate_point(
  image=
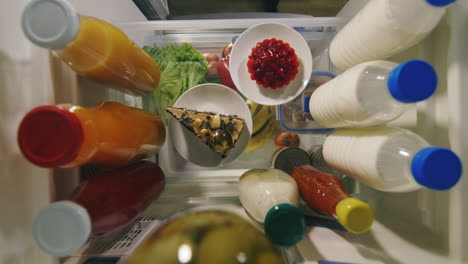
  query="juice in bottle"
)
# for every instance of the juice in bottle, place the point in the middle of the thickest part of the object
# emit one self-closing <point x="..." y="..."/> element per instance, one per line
<point x="90" y="46"/>
<point x="109" y="135"/>
<point x="101" y="205"/>
<point x="325" y="194"/>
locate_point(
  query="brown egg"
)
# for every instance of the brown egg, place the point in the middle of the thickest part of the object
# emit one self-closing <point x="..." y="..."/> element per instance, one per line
<point x="285" y="138"/>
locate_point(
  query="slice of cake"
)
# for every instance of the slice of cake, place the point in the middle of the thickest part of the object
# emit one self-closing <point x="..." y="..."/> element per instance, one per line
<point x="220" y="132"/>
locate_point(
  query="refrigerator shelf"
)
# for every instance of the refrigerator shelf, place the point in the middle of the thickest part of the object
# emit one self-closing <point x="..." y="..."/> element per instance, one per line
<point x="212" y="36"/>
<point x="417" y="227"/>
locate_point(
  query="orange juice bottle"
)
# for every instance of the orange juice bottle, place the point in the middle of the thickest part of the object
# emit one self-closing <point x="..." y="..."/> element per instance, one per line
<point x="108" y="135"/>
<point x="90" y="46"/>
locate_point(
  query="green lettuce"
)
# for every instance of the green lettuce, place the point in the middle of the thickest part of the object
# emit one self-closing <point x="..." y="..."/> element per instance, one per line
<point x="181" y="67"/>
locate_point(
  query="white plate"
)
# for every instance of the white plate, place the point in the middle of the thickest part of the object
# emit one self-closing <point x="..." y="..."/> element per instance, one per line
<point x="209" y="97"/>
<point x="242" y="49"/>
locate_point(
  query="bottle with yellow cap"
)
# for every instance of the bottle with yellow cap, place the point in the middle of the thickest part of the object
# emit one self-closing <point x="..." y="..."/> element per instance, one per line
<point x="325" y="194"/>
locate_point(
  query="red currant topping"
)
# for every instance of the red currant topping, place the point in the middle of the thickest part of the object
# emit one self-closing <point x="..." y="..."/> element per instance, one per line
<point x="273" y="63"/>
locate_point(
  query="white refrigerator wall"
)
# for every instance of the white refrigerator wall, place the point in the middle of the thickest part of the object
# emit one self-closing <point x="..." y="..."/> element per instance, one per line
<point x="457" y="78"/>
<point x="24" y="188"/>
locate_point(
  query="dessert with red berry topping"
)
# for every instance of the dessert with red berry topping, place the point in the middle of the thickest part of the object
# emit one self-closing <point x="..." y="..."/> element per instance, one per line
<point x="273" y="63"/>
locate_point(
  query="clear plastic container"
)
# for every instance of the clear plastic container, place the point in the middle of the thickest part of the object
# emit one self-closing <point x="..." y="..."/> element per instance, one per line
<point x="391" y="159"/>
<point x="90" y="46"/>
<point x="384" y="28"/>
<point x="372" y="93"/>
<point x="295" y="116"/>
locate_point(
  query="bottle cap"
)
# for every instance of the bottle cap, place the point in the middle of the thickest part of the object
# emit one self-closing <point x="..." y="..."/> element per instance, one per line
<point x="355" y="215"/>
<point x="412" y="81"/>
<point x="50" y="136"/>
<point x="62" y="228"/>
<point x="284" y="224"/>
<point x="289" y="158"/>
<point x="50" y="24"/>
<point x="440" y="3"/>
<point x="436" y="168"/>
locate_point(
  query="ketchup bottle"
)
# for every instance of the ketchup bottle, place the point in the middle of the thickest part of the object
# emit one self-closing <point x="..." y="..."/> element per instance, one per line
<point x="325" y="194"/>
<point x="101" y="205"/>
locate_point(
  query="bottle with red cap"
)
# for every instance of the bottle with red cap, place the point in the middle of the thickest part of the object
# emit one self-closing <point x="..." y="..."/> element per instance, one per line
<point x="325" y="194"/>
<point x="109" y="135"/>
<point x="101" y="205"/>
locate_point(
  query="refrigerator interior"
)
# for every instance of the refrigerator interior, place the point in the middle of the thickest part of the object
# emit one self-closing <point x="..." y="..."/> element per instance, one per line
<point x="418" y="227"/>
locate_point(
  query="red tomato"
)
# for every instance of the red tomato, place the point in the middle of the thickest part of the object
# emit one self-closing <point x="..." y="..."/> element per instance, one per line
<point x="224" y="74"/>
<point x="285" y="138"/>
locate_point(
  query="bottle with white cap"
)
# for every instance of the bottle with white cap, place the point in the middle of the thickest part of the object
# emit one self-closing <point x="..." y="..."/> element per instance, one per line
<point x="101" y="205"/>
<point x="384" y="28"/>
<point x="90" y="46"/>
<point x="391" y="159"/>
<point x="372" y="93"/>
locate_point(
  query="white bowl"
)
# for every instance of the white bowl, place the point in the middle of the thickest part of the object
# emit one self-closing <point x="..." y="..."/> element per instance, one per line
<point x="209" y="97"/>
<point x="242" y="49"/>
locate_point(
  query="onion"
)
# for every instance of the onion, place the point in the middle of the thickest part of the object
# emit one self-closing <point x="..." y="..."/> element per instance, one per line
<point x="210" y="57"/>
<point x="212" y="63"/>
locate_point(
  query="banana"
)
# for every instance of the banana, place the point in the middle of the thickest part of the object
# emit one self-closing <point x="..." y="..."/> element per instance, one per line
<point x="261" y="118"/>
<point x="262" y="136"/>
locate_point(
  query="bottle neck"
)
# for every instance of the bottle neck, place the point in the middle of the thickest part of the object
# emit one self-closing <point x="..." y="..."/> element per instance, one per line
<point x="90" y="146"/>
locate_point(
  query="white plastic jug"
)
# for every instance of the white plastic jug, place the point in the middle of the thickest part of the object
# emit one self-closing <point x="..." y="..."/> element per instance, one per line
<point x="384" y="28"/>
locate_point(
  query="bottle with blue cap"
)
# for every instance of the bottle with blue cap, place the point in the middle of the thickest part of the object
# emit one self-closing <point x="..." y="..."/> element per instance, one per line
<point x="384" y="28"/>
<point x="391" y="159"/>
<point x="372" y="93"/>
<point x="271" y="197"/>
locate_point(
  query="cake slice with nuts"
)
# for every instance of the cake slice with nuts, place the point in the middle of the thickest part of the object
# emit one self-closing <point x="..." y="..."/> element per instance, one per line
<point x="220" y="132"/>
